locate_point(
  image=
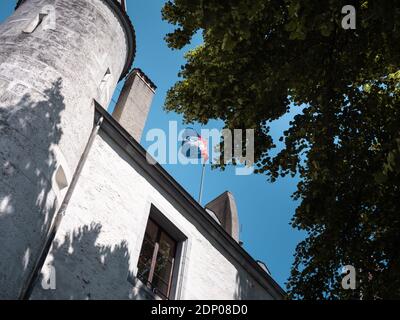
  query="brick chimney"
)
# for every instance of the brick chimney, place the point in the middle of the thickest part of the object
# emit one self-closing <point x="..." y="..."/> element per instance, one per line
<point x="134" y="103"/>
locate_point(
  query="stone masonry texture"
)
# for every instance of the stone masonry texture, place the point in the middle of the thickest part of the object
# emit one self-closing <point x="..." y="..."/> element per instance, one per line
<point x="48" y="80"/>
<point x="99" y="241"/>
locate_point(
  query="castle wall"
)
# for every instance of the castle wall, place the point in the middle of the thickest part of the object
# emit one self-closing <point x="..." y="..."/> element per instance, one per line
<point x="97" y="247"/>
<point x="48" y="78"/>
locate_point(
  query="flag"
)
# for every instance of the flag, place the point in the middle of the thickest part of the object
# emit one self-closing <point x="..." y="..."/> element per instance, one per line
<point x="193" y="145"/>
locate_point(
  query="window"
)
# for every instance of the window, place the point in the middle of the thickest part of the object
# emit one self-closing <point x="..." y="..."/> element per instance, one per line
<point x="157" y="260"/>
<point x="61" y="178"/>
<point x="46" y="18"/>
<point x="105" y="86"/>
<point x="35" y="23"/>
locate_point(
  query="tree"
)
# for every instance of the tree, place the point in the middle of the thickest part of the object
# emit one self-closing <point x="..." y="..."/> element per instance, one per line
<point x="258" y="58"/>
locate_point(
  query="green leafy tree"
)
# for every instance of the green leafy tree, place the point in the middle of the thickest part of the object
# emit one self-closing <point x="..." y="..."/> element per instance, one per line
<point x="258" y="58"/>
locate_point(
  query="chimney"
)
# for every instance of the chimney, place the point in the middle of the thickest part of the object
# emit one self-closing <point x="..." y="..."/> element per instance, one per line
<point x="224" y="209"/>
<point x="134" y="103"/>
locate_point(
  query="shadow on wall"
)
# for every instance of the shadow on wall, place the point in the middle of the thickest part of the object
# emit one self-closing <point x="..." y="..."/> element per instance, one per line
<point x="242" y="291"/>
<point x="85" y="269"/>
<point x="245" y="288"/>
<point x="29" y="128"/>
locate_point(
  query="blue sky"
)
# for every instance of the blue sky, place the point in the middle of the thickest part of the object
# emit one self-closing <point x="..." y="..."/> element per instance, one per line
<point x="265" y="209"/>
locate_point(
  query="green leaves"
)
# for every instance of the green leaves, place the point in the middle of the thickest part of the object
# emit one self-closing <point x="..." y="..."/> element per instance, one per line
<point x="258" y="58"/>
<point x="228" y="42"/>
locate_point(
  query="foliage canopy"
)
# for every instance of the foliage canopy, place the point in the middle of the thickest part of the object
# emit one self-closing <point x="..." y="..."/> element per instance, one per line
<point x="259" y="57"/>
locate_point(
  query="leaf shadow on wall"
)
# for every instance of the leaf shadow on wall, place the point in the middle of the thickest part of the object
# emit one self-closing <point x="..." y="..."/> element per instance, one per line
<point x="30" y="127"/>
<point x="86" y="270"/>
<point x="245" y="288"/>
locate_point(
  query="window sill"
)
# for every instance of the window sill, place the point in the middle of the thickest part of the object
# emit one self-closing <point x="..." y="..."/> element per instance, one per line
<point x="141" y="291"/>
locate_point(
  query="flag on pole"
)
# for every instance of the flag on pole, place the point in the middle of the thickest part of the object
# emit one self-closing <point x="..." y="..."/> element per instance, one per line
<point x="193" y="145"/>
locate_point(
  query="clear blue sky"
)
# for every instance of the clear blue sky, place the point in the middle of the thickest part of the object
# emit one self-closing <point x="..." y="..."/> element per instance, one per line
<point x="265" y="209"/>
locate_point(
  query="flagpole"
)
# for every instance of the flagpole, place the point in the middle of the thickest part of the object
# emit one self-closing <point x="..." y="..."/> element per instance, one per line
<point x="202" y="181"/>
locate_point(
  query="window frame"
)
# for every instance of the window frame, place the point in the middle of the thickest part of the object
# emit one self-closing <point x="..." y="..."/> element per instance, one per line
<point x="149" y="280"/>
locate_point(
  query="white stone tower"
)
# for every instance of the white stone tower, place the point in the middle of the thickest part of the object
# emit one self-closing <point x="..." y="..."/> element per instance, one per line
<point x="56" y="57"/>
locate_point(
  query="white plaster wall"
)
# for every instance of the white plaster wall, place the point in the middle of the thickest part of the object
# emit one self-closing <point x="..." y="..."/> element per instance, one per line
<point x="48" y="80"/>
<point x="112" y="201"/>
